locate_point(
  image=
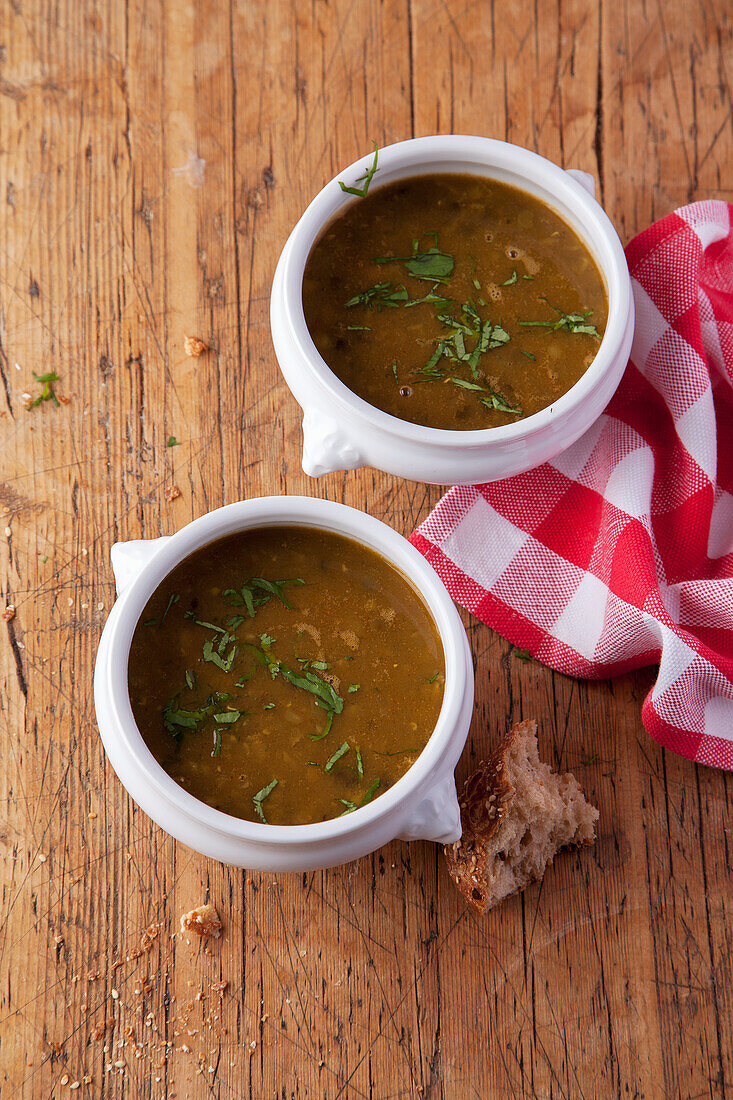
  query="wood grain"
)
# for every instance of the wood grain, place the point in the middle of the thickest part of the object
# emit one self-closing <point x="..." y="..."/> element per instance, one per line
<point x="154" y="155"/>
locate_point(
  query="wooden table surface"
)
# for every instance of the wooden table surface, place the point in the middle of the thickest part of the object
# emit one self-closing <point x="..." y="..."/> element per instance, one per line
<point x="154" y="155"/>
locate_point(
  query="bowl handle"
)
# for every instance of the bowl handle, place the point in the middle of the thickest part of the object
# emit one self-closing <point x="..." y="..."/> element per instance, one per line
<point x="437" y="816"/>
<point x="585" y="179"/>
<point x="129" y="558"/>
<point x="326" y="447"/>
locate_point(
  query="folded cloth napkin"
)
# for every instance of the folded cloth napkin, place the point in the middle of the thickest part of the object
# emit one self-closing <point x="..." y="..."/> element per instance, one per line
<point x="619" y="553"/>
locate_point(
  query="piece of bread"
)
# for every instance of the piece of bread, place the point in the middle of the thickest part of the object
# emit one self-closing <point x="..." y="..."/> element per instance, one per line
<point x="516" y="815"/>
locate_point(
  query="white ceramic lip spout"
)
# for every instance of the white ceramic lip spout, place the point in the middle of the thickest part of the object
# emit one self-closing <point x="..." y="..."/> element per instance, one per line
<point x="420" y="805"/>
<point x="343" y="432"/>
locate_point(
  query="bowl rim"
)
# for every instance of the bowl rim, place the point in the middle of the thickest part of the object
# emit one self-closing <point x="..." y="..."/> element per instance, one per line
<point x="415" y="156"/>
<point x="304" y="512"/>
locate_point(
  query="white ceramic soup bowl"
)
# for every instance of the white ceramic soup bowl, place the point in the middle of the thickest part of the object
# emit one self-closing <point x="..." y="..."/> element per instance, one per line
<point x="342" y="431"/>
<point x="420" y="805"/>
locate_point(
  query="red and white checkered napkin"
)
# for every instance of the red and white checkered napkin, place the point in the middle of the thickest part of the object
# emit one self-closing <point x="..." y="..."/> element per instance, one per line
<point x="619" y="552"/>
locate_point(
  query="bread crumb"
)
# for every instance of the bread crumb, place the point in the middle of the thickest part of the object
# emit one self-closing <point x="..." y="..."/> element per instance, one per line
<point x="194" y="347"/>
<point x="8" y="614"/>
<point x="220" y="987"/>
<point x="203" y="920"/>
<point x="172" y="493"/>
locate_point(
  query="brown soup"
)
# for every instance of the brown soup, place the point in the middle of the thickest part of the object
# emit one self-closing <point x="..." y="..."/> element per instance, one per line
<point x="286" y="675"/>
<point x="454" y="301"/>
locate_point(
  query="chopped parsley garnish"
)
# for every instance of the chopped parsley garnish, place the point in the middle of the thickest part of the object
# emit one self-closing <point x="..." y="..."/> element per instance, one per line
<point x="380" y="296"/>
<point x="433" y="678"/>
<point x="431" y="298"/>
<point x="351" y="806"/>
<point x="217" y="743"/>
<point x="432" y="264"/>
<point x="257" y="591"/>
<point x="260" y="797"/>
<point x="496" y="401"/>
<point x="267" y="640"/>
<point x="528" y="354"/>
<point x="226" y="717"/>
<point x="353" y="688"/>
<point x="173" y="598"/>
<point x="511" y="280"/>
<point x="176" y="719"/>
<point x="469" y="325"/>
<point x="467" y="385"/>
<point x="190" y="614"/>
<point x="191" y="679"/>
<point x="214" y="658"/>
<point x="341" y="751"/>
<point x="324" y="693"/>
<point x="305" y="662"/>
<point x="371" y="791"/>
<point x="326" y="729"/>
<point x="358" y="328"/>
<point x="359" y="762"/>
<point x="430" y="371"/>
<point x="523" y="655"/>
<point x="173" y="442"/>
<point x="268" y="706"/>
<point x="368" y="176"/>
<point x="566" y="322"/>
<point x="47" y="393"/>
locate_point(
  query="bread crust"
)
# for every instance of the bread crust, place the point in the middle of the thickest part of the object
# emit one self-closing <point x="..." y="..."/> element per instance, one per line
<point x="485" y="800"/>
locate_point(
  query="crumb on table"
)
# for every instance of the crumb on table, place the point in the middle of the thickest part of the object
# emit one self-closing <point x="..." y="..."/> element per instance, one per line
<point x="194" y="346"/>
<point x="203" y="920"/>
<point x="172" y="493"/>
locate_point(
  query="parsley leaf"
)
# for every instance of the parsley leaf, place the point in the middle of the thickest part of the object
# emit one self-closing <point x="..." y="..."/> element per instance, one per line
<point x="433" y="265"/>
<point x="361" y="192"/>
<point x="47" y="393"/>
<point x="496" y="401"/>
<point x="325" y="695"/>
<point x="260" y="797"/>
<point x="341" y="751"/>
<point x="380" y="296"/>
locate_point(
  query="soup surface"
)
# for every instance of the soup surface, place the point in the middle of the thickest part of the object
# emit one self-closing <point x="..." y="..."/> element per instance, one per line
<point x="454" y="301"/>
<point x="286" y="675"/>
